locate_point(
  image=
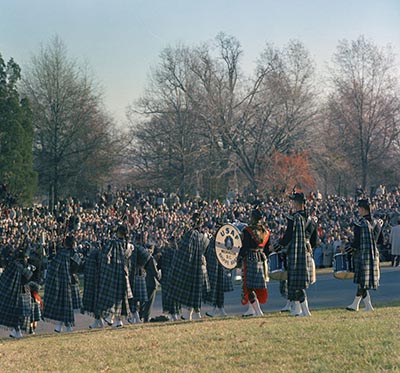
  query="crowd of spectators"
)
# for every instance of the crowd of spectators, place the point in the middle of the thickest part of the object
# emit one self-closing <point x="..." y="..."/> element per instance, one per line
<point x="156" y="216"/>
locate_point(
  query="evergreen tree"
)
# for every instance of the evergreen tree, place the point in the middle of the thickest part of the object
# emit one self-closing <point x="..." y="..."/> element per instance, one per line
<point x="16" y="136"/>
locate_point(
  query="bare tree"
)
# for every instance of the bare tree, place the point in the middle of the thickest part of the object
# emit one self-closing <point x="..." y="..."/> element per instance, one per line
<point x="71" y="129"/>
<point x="214" y="122"/>
<point x="252" y="119"/>
<point x="168" y="145"/>
<point x="363" y="106"/>
<point x="279" y="110"/>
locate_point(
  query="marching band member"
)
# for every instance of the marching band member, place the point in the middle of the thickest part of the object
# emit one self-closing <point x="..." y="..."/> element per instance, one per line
<point x="367" y="234"/>
<point x="114" y="285"/>
<point x="36" y="261"/>
<point x="61" y="290"/>
<point x="300" y="237"/>
<point x="220" y="282"/>
<point x="188" y="276"/>
<point x="91" y="286"/>
<point x="141" y="261"/>
<point x="165" y="260"/>
<point x="394" y="240"/>
<point x="152" y="279"/>
<point x="15" y="300"/>
<point x="252" y="259"/>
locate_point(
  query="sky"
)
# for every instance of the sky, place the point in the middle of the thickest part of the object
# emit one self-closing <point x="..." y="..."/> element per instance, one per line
<point x="121" y="39"/>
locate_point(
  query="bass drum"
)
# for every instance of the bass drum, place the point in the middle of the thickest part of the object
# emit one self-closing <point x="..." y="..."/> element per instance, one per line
<point x="228" y="242"/>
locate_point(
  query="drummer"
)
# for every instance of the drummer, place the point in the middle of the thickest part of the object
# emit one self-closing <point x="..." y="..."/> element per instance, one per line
<point x="252" y="259"/>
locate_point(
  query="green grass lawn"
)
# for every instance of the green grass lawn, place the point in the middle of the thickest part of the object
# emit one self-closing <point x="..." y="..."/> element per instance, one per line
<point x="329" y="341"/>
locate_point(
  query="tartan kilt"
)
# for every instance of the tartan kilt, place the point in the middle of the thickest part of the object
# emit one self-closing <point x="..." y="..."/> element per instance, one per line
<point x="187" y="281"/>
<point x="114" y="287"/>
<point x="137" y="276"/>
<point x="76" y="297"/>
<point x="367" y="275"/>
<point x="58" y="301"/>
<point x="168" y="304"/>
<point x="212" y="265"/>
<point x="216" y="296"/>
<point x="298" y="273"/>
<point x="25" y="308"/>
<point x="91" y="282"/>
<point x="218" y="278"/>
<point x="227" y="280"/>
<point x="15" y="300"/>
<point x="36" y="314"/>
<point x="185" y="285"/>
<point x="140" y="289"/>
<point x="255" y="270"/>
<point x="366" y="259"/>
<point x="297" y="277"/>
<point x="165" y="264"/>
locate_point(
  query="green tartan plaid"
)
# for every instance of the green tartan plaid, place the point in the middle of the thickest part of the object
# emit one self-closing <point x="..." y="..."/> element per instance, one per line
<point x="15" y="300"/>
<point x="366" y="258"/>
<point x="188" y="277"/>
<point x="60" y="295"/>
<point x="298" y="276"/>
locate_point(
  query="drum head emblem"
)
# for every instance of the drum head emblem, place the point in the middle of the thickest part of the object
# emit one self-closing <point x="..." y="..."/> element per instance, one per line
<point x="227" y="245"/>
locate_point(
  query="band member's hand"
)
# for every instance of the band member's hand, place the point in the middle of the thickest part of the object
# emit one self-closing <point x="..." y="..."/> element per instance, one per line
<point x="277" y="247"/>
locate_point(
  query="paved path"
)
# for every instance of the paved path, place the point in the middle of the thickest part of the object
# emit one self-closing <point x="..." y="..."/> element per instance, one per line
<point x="327" y="292"/>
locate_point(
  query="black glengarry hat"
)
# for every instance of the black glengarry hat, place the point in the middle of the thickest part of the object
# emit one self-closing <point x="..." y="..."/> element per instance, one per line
<point x="256" y="214"/>
<point x="365" y="203"/>
<point x="298" y="197"/>
<point x="122" y="229"/>
<point x="197" y="218"/>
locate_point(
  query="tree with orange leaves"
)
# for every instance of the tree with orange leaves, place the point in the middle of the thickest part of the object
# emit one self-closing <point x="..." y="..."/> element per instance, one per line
<point x="287" y="170"/>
